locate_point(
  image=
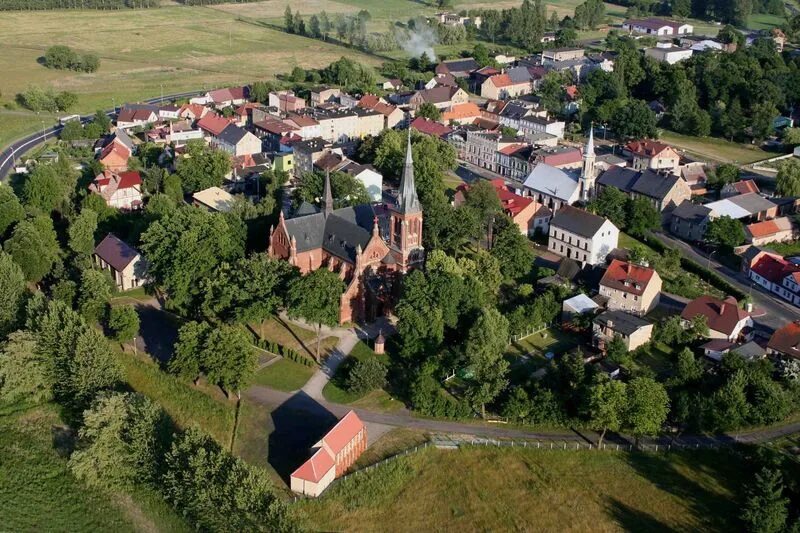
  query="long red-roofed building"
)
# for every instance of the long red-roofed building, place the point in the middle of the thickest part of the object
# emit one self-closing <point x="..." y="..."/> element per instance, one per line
<point x="332" y="456"/>
<point x="785" y="341"/>
<point x="777" y="275"/>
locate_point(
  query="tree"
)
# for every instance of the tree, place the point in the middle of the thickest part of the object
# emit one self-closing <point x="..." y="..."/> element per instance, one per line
<point x="765" y="508"/>
<point x="91" y="369"/>
<point x="45" y="188"/>
<point x="71" y="131"/>
<point x="724" y="174"/>
<point x="647" y="407"/>
<point x="314" y="27"/>
<point x="633" y="119"/>
<point x="121" y="441"/>
<point x="288" y="20"/>
<point x="486" y="342"/>
<point x="123" y="322"/>
<point x="186" y="361"/>
<point x="316" y="297"/>
<point x="611" y="203"/>
<point x="518" y="405"/>
<point x="345" y="189"/>
<point x="12" y="293"/>
<point x="60" y="57"/>
<point x="616" y="351"/>
<point x="725" y="232"/>
<point x="173" y="188"/>
<point x="25" y="372"/>
<point x="607" y="404"/>
<point x="420" y="319"/>
<point x="203" y="167"/>
<point x="366" y="375"/>
<point x="688" y="368"/>
<point x="34" y="247"/>
<point x="429" y="111"/>
<point x="95" y="292"/>
<point x="787" y="182"/>
<point x="81" y="233"/>
<point x="511" y="249"/>
<point x="186" y="246"/>
<point x="642" y="217"/>
<point x="11" y="210"/>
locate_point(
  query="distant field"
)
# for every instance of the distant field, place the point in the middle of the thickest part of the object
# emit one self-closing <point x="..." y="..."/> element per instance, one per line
<point x="511" y="489"/>
<point x="718" y="150"/>
<point x="144" y="51"/>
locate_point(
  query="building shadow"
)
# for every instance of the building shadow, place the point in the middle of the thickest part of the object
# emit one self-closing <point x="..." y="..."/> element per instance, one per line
<point x="157" y="333"/>
<point x="299" y="422"/>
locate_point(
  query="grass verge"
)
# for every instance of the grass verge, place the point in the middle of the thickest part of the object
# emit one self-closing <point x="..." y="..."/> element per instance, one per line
<point x="285" y="375"/>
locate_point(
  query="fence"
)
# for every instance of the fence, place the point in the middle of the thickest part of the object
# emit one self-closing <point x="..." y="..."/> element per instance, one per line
<point x="528" y="333"/>
<point x="583" y="446"/>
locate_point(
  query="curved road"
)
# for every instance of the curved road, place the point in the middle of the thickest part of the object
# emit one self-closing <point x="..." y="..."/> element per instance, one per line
<point x="19" y="147"/>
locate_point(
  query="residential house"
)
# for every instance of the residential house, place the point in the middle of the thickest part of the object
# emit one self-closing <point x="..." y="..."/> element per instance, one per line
<point x="777" y="275"/>
<point x="554" y="55"/>
<point x="392" y="84"/>
<point x="738" y="187"/>
<point x="454" y="19"/>
<point x="192" y="111"/>
<point x="725" y="319"/>
<point x="286" y="101"/>
<point x="653" y="155"/>
<point x="514" y="161"/>
<point x="694" y="174"/>
<point x="133" y="115"/>
<point x="305" y="126"/>
<point x="656" y="26"/>
<point x="229" y="96"/>
<point x="776" y="230"/>
<point x="785" y="342"/>
<point x="459" y="68"/>
<point x="689" y="221"/>
<point x="482" y="148"/>
<point x="477" y="78"/>
<point x="332" y="161"/>
<point x="510" y="84"/>
<point x="324" y="94"/>
<point x="664" y="191"/>
<point x="332" y="456"/>
<point x="526" y="213"/>
<point x="114" y="156"/>
<point x="633" y="330"/>
<point x="552" y="187"/>
<point x="341" y="125"/>
<point x="122" y="190"/>
<point x="441" y="97"/>
<point x="749" y="207"/>
<point x="430" y="127"/>
<point x="532" y="126"/>
<point x="715" y="349"/>
<point x="629" y="287"/>
<point x="168" y="112"/>
<point x="213" y="199"/>
<point x="213" y="125"/>
<point x="446" y="80"/>
<point x="369" y="122"/>
<point x="582" y="236"/>
<point x="369" y="177"/>
<point x="558" y="156"/>
<point x="126" y="265"/>
<point x="244" y="113"/>
<point x="668" y="53"/>
<point x="306" y="154"/>
<point x="461" y="114"/>
<point x="392" y="115"/>
<point x="237" y="141"/>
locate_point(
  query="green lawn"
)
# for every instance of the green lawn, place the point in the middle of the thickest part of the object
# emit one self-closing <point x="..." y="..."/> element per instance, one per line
<point x="336" y="390"/>
<point x="285" y="375"/>
<point x="299" y="339"/>
<point x="658" y="357"/>
<point x="714" y="149"/>
<point x="39" y="493"/>
<point x="550" y="340"/>
<point x="784" y="248"/>
<point x="764" y="21"/>
<point x="511" y="489"/>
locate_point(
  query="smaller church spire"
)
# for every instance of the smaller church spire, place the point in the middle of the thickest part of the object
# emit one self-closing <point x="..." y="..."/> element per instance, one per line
<point x="589" y="149"/>
<point x="327" y="202"/>
<point x="407" y="200"/>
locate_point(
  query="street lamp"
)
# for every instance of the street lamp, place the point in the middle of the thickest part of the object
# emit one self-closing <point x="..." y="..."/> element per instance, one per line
<point x="44" y="132"/>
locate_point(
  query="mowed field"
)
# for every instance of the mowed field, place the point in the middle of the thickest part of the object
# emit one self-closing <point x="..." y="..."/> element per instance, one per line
<point x="511" y="489"/>
<point x="141" y="52"/>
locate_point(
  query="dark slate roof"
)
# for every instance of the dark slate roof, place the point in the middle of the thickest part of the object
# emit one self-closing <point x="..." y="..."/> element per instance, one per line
<point x="622" y="322"/>
<point x="461" y="65"/>
<point x="338" y="234"/>
<point x="577" y="221"/>
<point x="115" y="252"/>
<point x="694" y="213"/>
<point x="232" y="134"/>
<point x="647" y="183"/>
<point x="619" y="177"/>
<point x="306" y="209"/>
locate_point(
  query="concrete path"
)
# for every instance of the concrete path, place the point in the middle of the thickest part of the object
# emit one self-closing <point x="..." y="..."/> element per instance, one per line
<point x="347" y="340"/>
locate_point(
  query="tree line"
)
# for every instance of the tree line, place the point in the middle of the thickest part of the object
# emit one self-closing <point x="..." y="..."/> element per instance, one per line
<point x="40" y="5"/>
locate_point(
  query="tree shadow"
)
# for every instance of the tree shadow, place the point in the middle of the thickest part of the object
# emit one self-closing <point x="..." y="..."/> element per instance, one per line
<point x="299" y="422"/>
<point x="157" y="332"/>
<point x="291" y="332"/>
<point x="631" y="519"/>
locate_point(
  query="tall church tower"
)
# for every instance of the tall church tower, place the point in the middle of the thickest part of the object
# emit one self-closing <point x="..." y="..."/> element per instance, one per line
<point x="405" y="222"/>
<point x="588" y="173"/>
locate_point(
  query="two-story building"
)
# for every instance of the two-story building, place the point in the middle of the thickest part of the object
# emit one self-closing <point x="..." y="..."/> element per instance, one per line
<point x="630" y="287"/>
<point x="653" y="155"/>
<point x="633" y="330"/>
<point x="581" y="236"/>
<point x="121" y="190"/>
<point x="725" y="319"/>
<point x="664" y="191"/>
<point x="125" y="263"/>
<point x="689" y="221"/>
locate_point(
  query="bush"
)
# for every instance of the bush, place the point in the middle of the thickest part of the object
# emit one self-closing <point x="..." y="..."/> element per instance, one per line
<point x="61" y="57"/>
<point x="39" y="99"/>
<point x="368" y="374"/>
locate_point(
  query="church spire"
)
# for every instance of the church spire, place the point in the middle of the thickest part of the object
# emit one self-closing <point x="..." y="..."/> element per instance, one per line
<point x="589" y="149"/>
<point x="407" y="200"/>
<point x="327" y="202"/>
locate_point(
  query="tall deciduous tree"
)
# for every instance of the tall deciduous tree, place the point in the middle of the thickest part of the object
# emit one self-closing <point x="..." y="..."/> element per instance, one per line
<point x="203" y="167"/>
<point x="316" y="297"/>
<point x="486" y="343"/>
<point x="34" y="247"/>
<point x="26" y="374"/>
<point x="648" y="405"/>
<point x="123" y="322"/>
<point x="787" y="182"/>
<point x="11" y="210"/>
<point x="766" y="508"/>
<point x="94" y="294"/>
<point x="420" y="320"/>
<point x="607" y="404"/>
<point x="81" y="232"/>
<point x="12" y="293"/>
<point x="725" y="231"/>
<point x="511" y="248"/>
<point x="611" y="203"/>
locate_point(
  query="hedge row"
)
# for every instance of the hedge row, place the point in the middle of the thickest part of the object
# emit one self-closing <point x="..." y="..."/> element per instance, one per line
<point x="284" y="351"/>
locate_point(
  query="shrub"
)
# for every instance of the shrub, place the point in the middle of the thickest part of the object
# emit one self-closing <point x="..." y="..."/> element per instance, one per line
<point x="368" y="374"/>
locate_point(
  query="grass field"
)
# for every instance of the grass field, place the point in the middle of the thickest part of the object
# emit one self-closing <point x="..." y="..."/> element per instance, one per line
<point x="285" y="375"/>
<point x="299" y="339"/>
<point x="717" y="150"/>
<point x="40" y="494"/>
<point x="142" y="52"/>
<point x="511" y="489"/>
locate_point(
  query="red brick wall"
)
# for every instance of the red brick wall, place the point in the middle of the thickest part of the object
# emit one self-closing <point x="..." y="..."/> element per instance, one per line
<point x="351" y="452"/>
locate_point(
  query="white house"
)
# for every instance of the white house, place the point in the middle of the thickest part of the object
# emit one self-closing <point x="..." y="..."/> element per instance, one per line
<point x="126" y="265"/>
<point x="668" y="53"/>
<point x="656" y="26"/>
<point x="237" y="141"/>
<point x="122" y="190"/>
<point x="367" y="175"/>
<point x="581" y="236"/>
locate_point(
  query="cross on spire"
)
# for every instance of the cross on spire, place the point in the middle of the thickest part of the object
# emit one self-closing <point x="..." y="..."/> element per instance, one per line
<point x="407" y="200"/>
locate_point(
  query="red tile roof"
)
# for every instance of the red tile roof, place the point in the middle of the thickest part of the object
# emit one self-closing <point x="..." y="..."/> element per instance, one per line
<point x="229" y="93"/>
<point x="745" y="186"/>
<point x="429" y="127"/>
<point x="117" y="149"/>
<point x="763" y="229"/>
<point x="627" y="277"/>
<point x="512" y="203"/>
<point x="722" y="315"/>
<point x="196" y="110"/>
<point x="786" y="340"/>
<point x="343" y="432"/>
<point x="461" y="111"/>
<point x="316" y="467"/>
<point x="368" y="101"/>
<point x="773" y="268"/>
<point x="501" y="80"/>
<point x="559" y="158"/>
<point x="511" y="149"/>
<point x="647" y="148"/>
<point x="213" y="123"/>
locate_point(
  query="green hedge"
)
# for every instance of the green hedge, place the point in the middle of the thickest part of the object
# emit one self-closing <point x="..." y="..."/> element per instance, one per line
<point x="284" y="351"/>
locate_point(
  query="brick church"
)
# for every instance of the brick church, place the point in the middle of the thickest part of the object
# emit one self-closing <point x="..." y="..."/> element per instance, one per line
<point x="368" y="246"/>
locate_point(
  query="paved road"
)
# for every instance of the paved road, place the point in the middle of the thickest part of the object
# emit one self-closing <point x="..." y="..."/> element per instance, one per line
<point x="778" y="312"/>
<point x="19" y="147"/>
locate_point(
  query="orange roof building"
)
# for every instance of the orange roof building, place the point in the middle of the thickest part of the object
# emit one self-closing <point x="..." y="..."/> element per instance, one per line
<point x="630" y="287"/>
<point x="653" y="155"/>
<point x="114" y="157"/>
<point x="461" y="114"/>
<point x="526" y="213"/>
<point x="331" y="456"/>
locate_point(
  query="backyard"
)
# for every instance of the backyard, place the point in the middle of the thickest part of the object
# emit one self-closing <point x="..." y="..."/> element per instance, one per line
<point x="491" y="489"/>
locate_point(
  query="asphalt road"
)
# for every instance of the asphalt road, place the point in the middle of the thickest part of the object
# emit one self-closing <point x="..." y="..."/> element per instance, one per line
<point x="19" y="147"/>
<point x="778" y="312"/>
